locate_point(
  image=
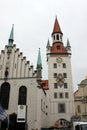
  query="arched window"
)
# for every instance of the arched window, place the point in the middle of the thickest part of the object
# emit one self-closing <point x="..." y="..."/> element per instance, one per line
<point x="57" y="37"/>
<point x="54" y="37"/>
<point x="4" y="95"/>
<point x="22" y="95"/>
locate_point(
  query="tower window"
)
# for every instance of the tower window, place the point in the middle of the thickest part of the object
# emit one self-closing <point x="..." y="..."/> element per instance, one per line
<point x="66" y="95"/>
<point x="65" y="75"/>
<point x="61" y="108"/>
<point x="58" y="47"/>
<point x="55" y="65"/>
<point x="61" y="95"/>
<point x="55" y="75"/>
<point x="55" y="85"/>
<point x="61" y="37"/>
<point x="55" y="95"/>
<point x="64" y="65"/>
<point x="54" y="37"/>
<point x="57" y="37"/>
<point x="65" y="85"/>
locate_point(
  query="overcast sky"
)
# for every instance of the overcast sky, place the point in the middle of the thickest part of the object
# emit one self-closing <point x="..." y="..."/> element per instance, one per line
<point x="33" y="24"/>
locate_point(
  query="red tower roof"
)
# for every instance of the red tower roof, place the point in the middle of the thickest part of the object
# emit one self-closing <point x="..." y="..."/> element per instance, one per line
<point x="58" y="48"/>
<point x="56" y="28"/>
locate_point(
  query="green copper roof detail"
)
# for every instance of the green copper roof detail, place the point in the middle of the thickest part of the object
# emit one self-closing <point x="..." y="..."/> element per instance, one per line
<point x="39" y="62"/>
<point x="11" y="38"/>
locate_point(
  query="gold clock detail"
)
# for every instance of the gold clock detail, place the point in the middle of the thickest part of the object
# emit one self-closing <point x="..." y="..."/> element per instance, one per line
<point x="59" y="59"/>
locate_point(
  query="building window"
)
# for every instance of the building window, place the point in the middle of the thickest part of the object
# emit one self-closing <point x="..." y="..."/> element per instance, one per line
<point x="64" y="65"/>
<point x="4" y="95"/>
<point x="61" y="95"/>
<point x="55" y="95"/>
<point x="55" y="75"/>
<point x="55" y="85"/>
<point x="66" y="95"/>
<point x="54" y="65"/>
<point x="22" y="95"/>
<point x="65" y="75"/>
<point x="65" y="85"/>
<point x="61" y="108"/>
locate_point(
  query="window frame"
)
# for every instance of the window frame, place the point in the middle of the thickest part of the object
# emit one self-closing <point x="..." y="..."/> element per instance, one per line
<point x="61" y="108"/>
<point x="54" y="65"/>
<point x="22" y="96"/>
<point x="57" y="37"/>
<point x="64" y="65"/>
<point x="65" y="85"/>
<point x="5" y="95"/>
<point x="55" y="95"/>
<point x="66" y="95"/>
<point x="65" y="75"/>
<point x="55" y="75"/>
<point x="61" y="95"/>
<point x="58" y="47"/>
<point x="55" y="86"/>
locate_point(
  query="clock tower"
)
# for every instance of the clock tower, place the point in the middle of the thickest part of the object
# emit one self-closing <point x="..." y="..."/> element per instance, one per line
<point x="61" y="101"/>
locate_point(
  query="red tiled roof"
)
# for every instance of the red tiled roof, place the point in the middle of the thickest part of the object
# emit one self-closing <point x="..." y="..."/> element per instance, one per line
<point x="58" y="48"/>
<point x="56" y="28"/>
<point x="45" y="84"/>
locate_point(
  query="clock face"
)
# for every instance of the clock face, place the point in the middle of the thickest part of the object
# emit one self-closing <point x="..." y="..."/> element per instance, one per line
<point x="59" y="59"/>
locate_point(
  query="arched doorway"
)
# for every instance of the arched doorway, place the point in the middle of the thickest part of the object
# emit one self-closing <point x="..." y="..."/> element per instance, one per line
<point x="61" y="124"/>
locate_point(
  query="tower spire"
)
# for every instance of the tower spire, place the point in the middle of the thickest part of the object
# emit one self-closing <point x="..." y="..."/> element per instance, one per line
<point x="39" y="67"/>
<point x="68" y="47"/>
<point x="11" y="37"/>
<point x="39" y="62"/>
<point x="68" y="44"/>
<point x="56" y="28"/>
<point x="48" y="44"/>
<point x="57" y="33"/>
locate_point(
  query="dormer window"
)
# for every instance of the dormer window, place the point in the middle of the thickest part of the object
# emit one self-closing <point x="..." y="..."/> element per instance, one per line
<point x="58" y="47"/>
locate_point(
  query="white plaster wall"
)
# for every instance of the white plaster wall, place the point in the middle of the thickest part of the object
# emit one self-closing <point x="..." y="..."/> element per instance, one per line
<point x="32" y="89"/>
<point x="53" y="114"/>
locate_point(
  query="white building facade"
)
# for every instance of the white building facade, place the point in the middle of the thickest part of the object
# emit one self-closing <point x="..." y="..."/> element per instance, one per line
<point x="61" y="101"/>
<point x="30" y="102"/>
<point x="20" y="93"/>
